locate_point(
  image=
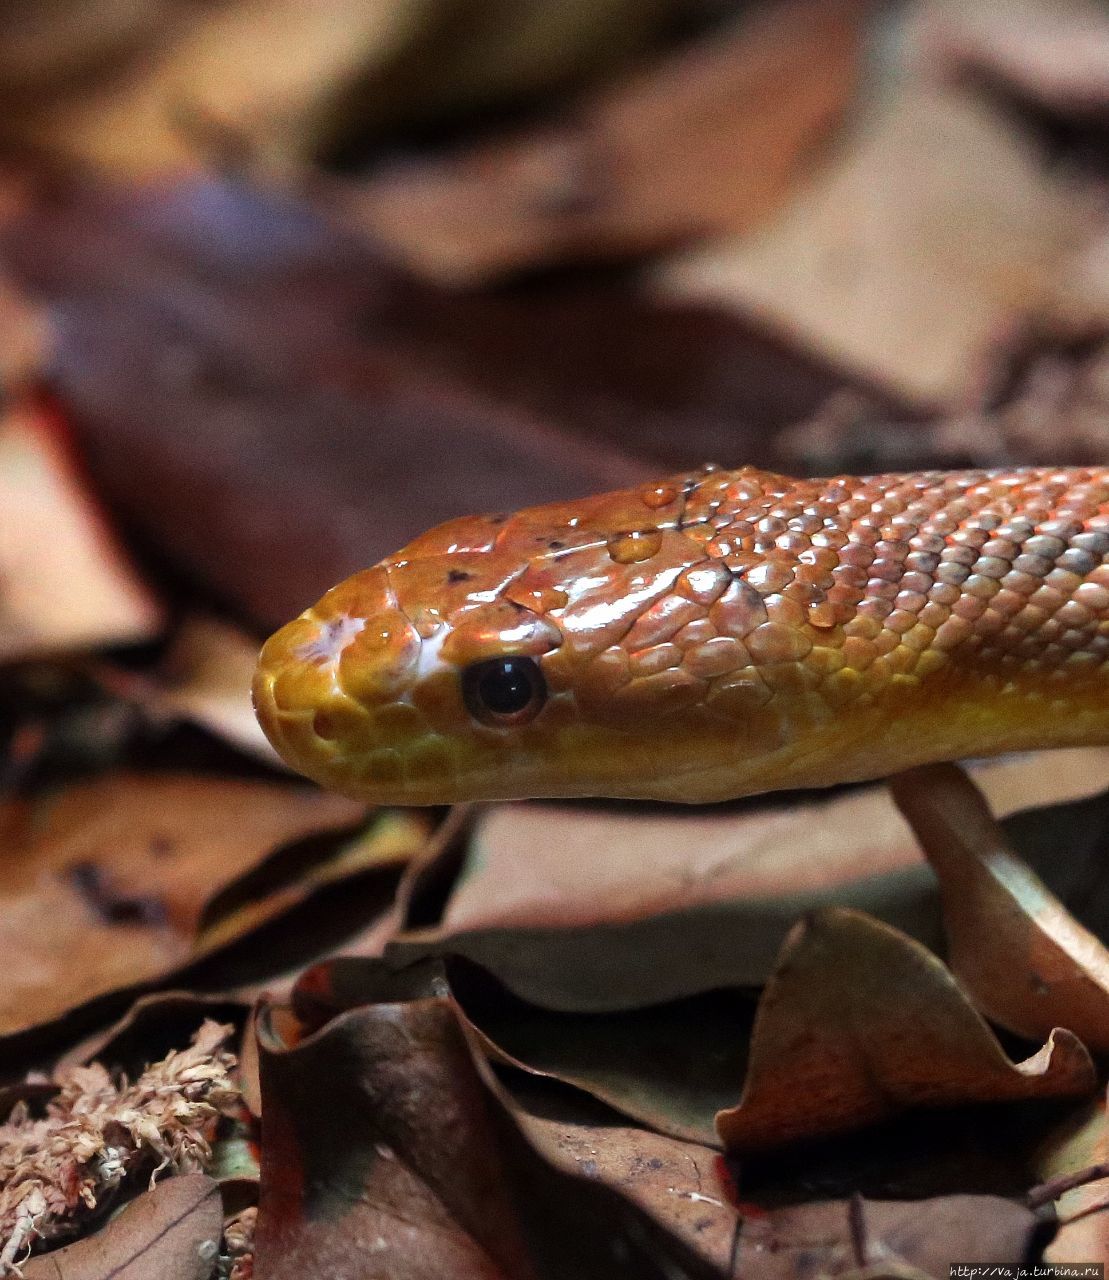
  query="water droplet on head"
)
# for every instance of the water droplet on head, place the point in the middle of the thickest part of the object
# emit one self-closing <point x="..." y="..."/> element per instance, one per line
<point x="630" y="548"/>
<point x="658" y="495"/>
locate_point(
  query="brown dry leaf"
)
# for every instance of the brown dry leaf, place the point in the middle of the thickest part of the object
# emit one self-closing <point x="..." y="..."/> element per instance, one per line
<point x="670" y="1066"/>
<point x="24" y="334"/>
<point x="1021" y="956"/>
<point x="704" y="141"/>
<point x="171" y="1232"/>
<point x="1081" y="1142"/>
<point x="277" y="81"/>
<point x="207" y="677"/>
<point x="940" y="232"/>
<point x="603" y="908"/>
<point x="107" y="883"/>
<point x="827" y="1238"/>
<point x="208" y="85"/>
<point x="65" y="582"/>
<point x="1055" y="52"/>
<point x="44" y="43"/>
<point x="859" y="1023"/>
<point x="683" y="1185"/>
<point x="410" y="1164"/>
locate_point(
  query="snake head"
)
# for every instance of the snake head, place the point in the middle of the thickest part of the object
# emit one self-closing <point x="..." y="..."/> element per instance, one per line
<point x="546" y="653"/>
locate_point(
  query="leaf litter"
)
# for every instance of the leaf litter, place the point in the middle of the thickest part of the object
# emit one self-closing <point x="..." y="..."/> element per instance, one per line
<point x="518" y="1072"/>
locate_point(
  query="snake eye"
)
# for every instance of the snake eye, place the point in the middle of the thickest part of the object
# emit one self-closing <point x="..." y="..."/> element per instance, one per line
<point x="504" y="691"/>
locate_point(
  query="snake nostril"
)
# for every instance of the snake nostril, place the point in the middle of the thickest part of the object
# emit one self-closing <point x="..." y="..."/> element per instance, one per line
<point x="324" y="726"/>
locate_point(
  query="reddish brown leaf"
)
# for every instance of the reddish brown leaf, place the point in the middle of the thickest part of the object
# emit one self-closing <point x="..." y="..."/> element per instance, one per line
<point x="107" y="882"/>
<point x="708" y="140"/>
<point x="858" y="1023"/>
<point x="171" y="1232"/>
<point x="938" y="234"/>
<point x="1081" y="1141"/>
<point x="1023" y="958"/>
<point x="409" y="1164"/>
<point x="64" y="581"/>
<point x="835" y="1238"/>
<point x="590" y="909"/>
<point x="683" y="1185"/>
<point x="670" y="1066"/>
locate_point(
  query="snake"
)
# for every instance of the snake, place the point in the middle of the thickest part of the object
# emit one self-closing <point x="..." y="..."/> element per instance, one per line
<point x="712" y="635"/>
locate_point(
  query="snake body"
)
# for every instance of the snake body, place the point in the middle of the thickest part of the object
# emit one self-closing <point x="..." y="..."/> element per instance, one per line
<point x="714" y="634"/>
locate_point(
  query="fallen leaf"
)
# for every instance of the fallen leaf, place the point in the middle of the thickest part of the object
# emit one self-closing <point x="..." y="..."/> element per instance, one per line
<point x="151" y="1027"/>
<point x="206" y="681"/>
<point x="859" y="1022"/>
<point x="670" y="1066"/>
<point x="594" y="908"/>
<point x="1080" y="1142"/>
<point x="683" y="1185"/>
<point x="938" y="232"/>
<point x="1054" y="52"/>
<point x="65" y="582"/>
<point x="1022" y="957"/>
<point x="933" y="1236"/>
<point x="172" y="1232"/>
<point x="410" y="1164"/>
<point x="107" y="882"/>
<point x="196" y="88"/>
<point x="24" y="335"/>
<point x="706" y="140"/>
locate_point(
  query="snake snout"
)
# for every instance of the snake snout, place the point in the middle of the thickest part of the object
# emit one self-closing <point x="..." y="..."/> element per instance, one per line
<point x="330" y="686"/>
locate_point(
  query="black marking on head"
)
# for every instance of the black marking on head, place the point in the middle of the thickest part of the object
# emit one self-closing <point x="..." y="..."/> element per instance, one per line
<point x="459" y="575"/>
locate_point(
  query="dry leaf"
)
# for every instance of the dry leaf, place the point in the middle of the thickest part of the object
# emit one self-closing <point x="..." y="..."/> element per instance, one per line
<point x="107" y="882"/>
<point x="704" y="141"/>
<point x="1079" y="1143"/>
<point x="671" y="1066"/>
<point x="277" y="82"/>
<point x="1055" y="52"/>
<point x="603" y="908"/>
<point x="858" y="1023"/>
<point x="207" y="677"/>
<point x="409" y="1164"/>
<point x="826" y="1239"/>
<point x="1022" y="957"/>
<point x="64" y="580"/>
<point x="24" y="335"/>
<point x="683" y="1185"/>
<point x="172" y="1232"/>
<point x="939" y="232"/>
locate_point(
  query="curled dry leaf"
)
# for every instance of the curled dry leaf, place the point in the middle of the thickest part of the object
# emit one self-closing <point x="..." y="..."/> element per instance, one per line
<point x="708" y="139"/>
<point x="684" y="1185"/>
<point x="390" y="1152"/>
<point x="1081" y="1142"/>
<point x="1022" y="957"/>
<point x="832" y="1238"/>
<point x="206" y="680"/>
<point x="616" y="909"/>
<point x="1054" y="52"/>
<point x="939" y="231"/>
<point x="671" y="1066"/>
<point x="330" y="69"/>
<point x="65" y="582"/>
<point x="108" y="882"/>
<point x="172" y="1232"/>
<point x="859" y="1023"/>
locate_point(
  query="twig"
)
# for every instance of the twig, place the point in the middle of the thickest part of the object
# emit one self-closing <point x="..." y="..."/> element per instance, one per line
<point x="1051" y="1190"/>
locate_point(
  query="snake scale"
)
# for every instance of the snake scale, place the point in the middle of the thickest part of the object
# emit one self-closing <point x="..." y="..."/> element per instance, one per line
<point x="714" y="634"/>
